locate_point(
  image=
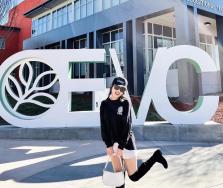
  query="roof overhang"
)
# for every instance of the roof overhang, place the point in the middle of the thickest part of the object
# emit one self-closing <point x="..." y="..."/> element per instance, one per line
<point x="43" y="7"/>
<point x="7" y="28"/>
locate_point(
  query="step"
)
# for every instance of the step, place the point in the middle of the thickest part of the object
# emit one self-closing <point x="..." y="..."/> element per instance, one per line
<point x="152" y="131"/>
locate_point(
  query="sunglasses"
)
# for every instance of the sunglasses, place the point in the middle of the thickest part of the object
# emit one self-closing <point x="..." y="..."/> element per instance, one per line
<point x="122" y="89"/>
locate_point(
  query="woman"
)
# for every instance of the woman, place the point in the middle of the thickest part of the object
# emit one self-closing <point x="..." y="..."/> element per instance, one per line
<point x="116" y="122"/>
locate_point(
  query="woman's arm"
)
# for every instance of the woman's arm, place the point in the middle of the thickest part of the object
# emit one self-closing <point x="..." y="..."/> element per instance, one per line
<point x="126" y="125"/>
<point x="104" y="128"/>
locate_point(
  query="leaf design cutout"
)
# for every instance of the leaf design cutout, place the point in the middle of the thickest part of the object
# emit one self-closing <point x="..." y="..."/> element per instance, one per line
<point x="20" y="96"/>
<point x="40" y="94"/>
<point x="38" y="103"/>
<point x="10" y="91"/>
<point x="16" y="83"/>
<point x="39" y="77"/>
<point x="22" y="78"/>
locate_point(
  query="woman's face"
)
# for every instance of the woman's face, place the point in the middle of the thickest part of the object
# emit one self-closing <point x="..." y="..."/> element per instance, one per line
<point x="117" y="91"/>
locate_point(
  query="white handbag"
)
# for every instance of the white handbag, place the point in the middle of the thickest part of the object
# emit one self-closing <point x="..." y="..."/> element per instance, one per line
<point x="113" y="178"/>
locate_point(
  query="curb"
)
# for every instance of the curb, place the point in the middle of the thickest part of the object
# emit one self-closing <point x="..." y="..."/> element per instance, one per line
<point x="160" y="131"/>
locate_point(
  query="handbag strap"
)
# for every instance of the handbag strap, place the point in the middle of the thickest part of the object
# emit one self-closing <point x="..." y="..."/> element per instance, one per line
<point x="106" y="164"/>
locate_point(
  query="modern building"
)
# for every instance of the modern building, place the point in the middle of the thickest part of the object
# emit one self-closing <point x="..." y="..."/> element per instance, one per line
<point x="6" y="43"/>
<point x="136" y="29"/>
<point x="16" y="29"/>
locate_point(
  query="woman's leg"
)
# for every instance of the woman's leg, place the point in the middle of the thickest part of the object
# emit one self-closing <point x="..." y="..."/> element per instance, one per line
<point x="116" y="163"/>
<point x="117" y="166"/>
<point x="135" y="174"/>
<point x="131" y="165"/>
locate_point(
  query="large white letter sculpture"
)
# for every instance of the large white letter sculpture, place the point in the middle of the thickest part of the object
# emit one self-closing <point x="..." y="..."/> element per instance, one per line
<point x="58" y="114"/>
<point x="156" y="87"/>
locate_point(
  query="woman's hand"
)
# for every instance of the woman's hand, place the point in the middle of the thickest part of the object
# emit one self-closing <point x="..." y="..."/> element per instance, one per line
<point x="119" y="153"/>
<point x="109" y="151"/>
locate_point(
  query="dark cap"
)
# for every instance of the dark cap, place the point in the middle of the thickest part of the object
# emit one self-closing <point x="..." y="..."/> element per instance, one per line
<point x="120" y="82"/>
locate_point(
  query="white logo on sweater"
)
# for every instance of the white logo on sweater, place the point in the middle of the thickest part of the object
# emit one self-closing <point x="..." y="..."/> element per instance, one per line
<point x="120" y="110"/>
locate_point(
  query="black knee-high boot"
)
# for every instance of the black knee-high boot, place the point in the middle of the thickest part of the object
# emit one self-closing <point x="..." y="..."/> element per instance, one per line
<point x="145" y="167"/>
<point x="122" y="186"/>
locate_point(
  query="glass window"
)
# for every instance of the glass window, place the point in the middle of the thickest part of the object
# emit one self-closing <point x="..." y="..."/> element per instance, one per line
<point x="121" y="48"/>
<point x="34" y="27"/>
<point x="209" y="50"/>
<point x="107" y="69"/>
<point x="40" y="22"/>
<point x="2" y="43"/>
<point x="106" y="4"/>
<point x="83" y="43"/>
<point x="143" y="41"/>
<point x="77" y="14"/>
<point x="48" y="22"/>
<point x="77" y="10"/>
<point x="115" y="2"/>
<point x="122" y="1"/>
<point x="150" y="58"/>
<point x="76" y="45"/>
<point x="209" y="39"/>
<point x="113" y="39"/>
<point x="89" y="7"/>
<point x="157" y="29"/>
<point x="97" y="5"/>
<point x="59" y="17"/>
<point x="64" y="15"/>
<point x="115" y="45"/>
<point x="106" y="37"/>
<point x="107" y="47"/>
<point x="113" y="70"/>
<point x="83" y="8"/>
<point x="54" y="19"/>
<point x="167" y="31"/>
<point x="202" y="38"/>
<point x="69" y="13"/>
<point x="202" y="46"/>
<point x="206" y="44"/>
<point x="167" y="42"/>
<point x="145" y="62"/>
<point x="120" y="33"/>
<point x="174" y="42"/>
<point x="37" y="27"/>
<point x="83" y="2"/>
<point x="150" y="41"/>
<point x="114" y="35"/>
<point x="76" y="70"/>
<point x="44" y="24"/>
<point x="120" y="58"/>
<point x="82" y="70"/>
<point x="154" y="52"/>
<point x="174" y="33"/>
<point x="150" y="28"/>
<point x="77" y="4"/>
<point x="166" y="38"/>
<point x="158" y="42"/>
<point x="108" y="59"/>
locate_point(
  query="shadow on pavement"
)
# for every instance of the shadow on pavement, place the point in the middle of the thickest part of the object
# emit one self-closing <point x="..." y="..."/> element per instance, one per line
<point x="66" y="168"/>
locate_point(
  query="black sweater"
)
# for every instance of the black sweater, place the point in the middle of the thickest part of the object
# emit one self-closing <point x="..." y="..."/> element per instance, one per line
<point x="116" y="122"/>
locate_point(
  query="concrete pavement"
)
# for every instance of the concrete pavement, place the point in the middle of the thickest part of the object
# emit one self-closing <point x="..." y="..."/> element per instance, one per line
<point x="79" y="164"/>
